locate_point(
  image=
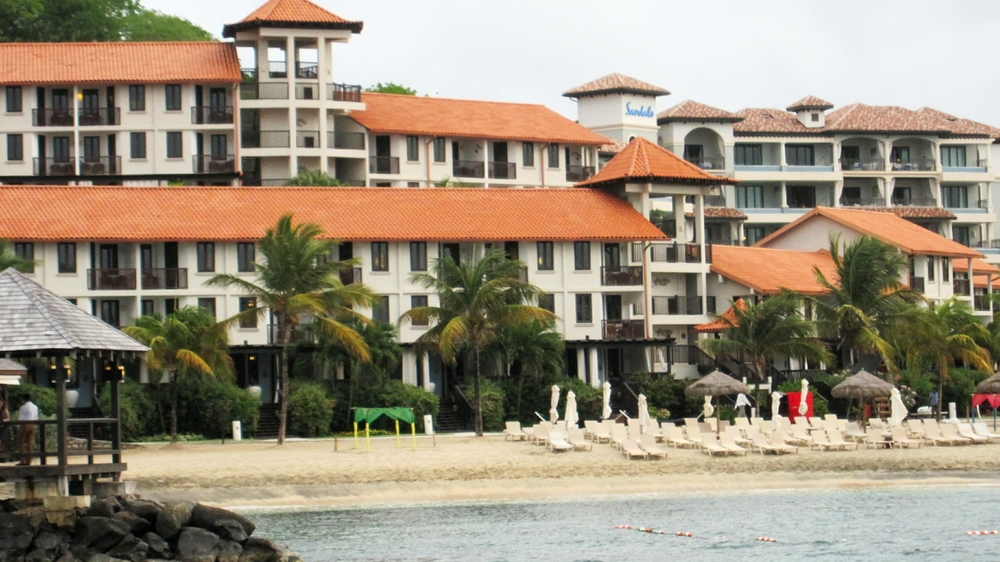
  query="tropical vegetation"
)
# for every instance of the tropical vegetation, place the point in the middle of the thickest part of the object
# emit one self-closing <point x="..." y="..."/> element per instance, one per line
<point x="91" y="20"/>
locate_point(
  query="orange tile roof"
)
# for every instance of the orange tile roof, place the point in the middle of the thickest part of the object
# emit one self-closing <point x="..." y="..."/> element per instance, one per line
<point x="887" y="227"/>
<point x="768" y="271"/>
<point x="643" y="161"/>
<point x="92" y="63"/>
<point x="978" y="266"/>
<point x="982" y="281"/>
<point x="291" y="13"/>
<point x="912" y="212"/>
<point x="724" y="321"/>
<point x="615" y="83"/>
<point x="613" y="147"/>
<point x="692" y="110"/>
<point x="959" y="126"/>
<point x="769" y="120"/>
<point x="226" y="213"/>
<point x="862" y="118"/>
<point x="444" y="117"/>
<point x="726" y="213"/>
<point x="810" y="102"/>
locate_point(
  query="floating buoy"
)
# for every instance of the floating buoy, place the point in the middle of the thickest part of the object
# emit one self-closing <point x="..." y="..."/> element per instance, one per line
<point x="766" y="539"/>
<point x="623" y="526"/>
<point x="981" y="532"/>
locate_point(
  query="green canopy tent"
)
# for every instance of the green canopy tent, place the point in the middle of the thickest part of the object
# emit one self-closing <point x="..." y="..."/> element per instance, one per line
<point x="368" y="415"/>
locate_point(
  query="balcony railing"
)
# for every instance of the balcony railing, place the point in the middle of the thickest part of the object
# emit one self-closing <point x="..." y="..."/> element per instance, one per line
<point x="55" y="166"/>
<point x="926" y="164"/>
<point x="862" y="201"/>
<point x="257" y="182"/>
<point x="982" y="303"/>
<point x="621" y="276"/>
<point x="343" y="92"/>
<point x="164" y="278"/>
<point x="52" y="117"/>
<point x="503" y="171"/>
<point x="307" y="139"/>
<point x="348" y="276"/>
<point x="307" y="91"/>
<point x="277" y="69"/>
<point x="962" y="287"/>
<point x="214" y="164"/>
<point x="212" y="115"/>
<point x="306" y="70"/>
<point x="579" y="173"/>
<point x="249" y="75"/>
<point x="917" y="283"/>
<point x="994" y="244"/>
<point x="264" y="91"/>
<point x="383" y="164"/>
<point x="913" y="202"/>
<point x="297" y="335"/>
<point x="348" y="141"/>
<point x="680" y="305"/>
<point x="679" y="253"/>
<point x="716" y="163"/>
<point x="715" y="201"/>
<point x="111" y="279"/>
<point x="469" y="169"/>
<point x="264" y="139"/>
<point x="623" y="330"/>
<point x="862" y="164"/>
<point x="94" y="117"/>
<point x="101" y="166"/>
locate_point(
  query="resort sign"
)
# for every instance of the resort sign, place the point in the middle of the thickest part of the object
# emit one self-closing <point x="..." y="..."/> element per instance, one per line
<point x="642" y="111"/>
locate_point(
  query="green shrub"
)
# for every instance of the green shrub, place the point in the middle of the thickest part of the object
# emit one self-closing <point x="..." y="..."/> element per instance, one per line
<point x="44" y="398"/>
<point x="399" y="394"/>
<point x="310" y="410"/>
<point x="181" y="438"/>
<point x="664" y="392"/>
<point x="589" y="400"/>
<point x="493" y="404"/>
<point x="138" y="410"/>
<point x="203" y="397"/>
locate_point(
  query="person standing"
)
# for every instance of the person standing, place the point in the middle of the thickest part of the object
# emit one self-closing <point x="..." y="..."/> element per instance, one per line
<point x="4" y="418"/>
<point x="26" y="436"/>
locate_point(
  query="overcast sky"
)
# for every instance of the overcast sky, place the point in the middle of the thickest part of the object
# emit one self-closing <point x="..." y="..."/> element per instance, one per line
<point x="729" y="54"/>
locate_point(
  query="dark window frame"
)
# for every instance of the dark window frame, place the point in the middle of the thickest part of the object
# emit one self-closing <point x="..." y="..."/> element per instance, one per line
<point x="547" y="301"/>
<point x="15" y="147"/>
<point x="246" y="255"/>
<point x="66" y="257"/>
<point x="553" y="157"/>
<point x="946" y="269"/>
<point x="747" y="194"/>
<point x="380" y="310"/>
<point x="175" y="144"/>
<point x="202" y="301"/>
<point x="440" y="150"/>
<point x="957" y="156"/>
<point x="418" y="256"/>
<point x="412" y="148"/>
<point x="15" y="99"/>
<point x="527" y="155"/>
<point x="137" y="145"/>
<point x="380" y="256"/>
<point x="245" y="304"/>
<point x="137" y="97"/>
<point x="802" y="154"/>
<point x="26" y="251"/>
<point x="546" y="255"/>
<point x="173" y="97"/>
<point x="749" y="154"/>
<point x="584" y="308"/>
<point x="206" y="257"/>
<point x="419" y="301"/>
<point x="581" y="255"/>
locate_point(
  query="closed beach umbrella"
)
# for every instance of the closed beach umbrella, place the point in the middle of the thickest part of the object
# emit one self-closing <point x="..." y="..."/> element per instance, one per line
<point x="571" y="416"/>
<point x="716" y="383"/>
<point x="643" y="413"/>
<point x="899" y="412"/>
<point x="606" y="410"/>
<point x="775" y="405"/>
<point x="862" y="387"/>
<point x="990" y="386"/>
<point x="554" y="405"/>
<point x="803" y="406"/>
<point x="708" y="409"/>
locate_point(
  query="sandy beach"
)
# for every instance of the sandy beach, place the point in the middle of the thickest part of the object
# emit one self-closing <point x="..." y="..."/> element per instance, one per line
<point x="311" y="473"/>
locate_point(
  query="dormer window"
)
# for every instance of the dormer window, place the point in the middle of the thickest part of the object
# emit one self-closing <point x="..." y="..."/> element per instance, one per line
<point x="815" y="117"/>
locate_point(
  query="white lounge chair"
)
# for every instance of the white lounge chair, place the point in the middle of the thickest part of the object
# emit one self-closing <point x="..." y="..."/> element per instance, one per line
<point x="558" y="442"/>
<point x="820" y="442"/>
<point x="915" y="428"/>
<point x="602" y="434"/>
<point x="727" y="442"/>
<point x="837" y="438"/>
<point x="711" y="446"/>
<point x="760" y="444"/>
<point x="631" y="449"/>
<point x="578" y="440"/>
<point x="541" y="435"/>
<point x="513" y="431"/>
<point x="965" y="430"/>
<point x="779" y="443"/>
<point x="618" y="435"/>
<point x="951" y="432"/>
<point x="875" y="438"/>
<point x="932" y="432"/>
<point x="801" y="433"/>
<point x="737" y="436"/>
<point x="648" y="444"/>
<point x="675" y="437"/>
<point x="588" y="428"/>
<point x="982" y="429"/>
<point x="899" y="437"/>
<point x="854" y="432"/>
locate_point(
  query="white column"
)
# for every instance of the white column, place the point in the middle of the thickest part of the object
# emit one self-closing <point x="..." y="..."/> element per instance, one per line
<point x="595" y="377"/>
<point x="838" y="191"/>
<point x="425" y="362"/>
<point x="581" y="364"/>
<point x="784" y="196"/>
<point x="340" y="371"/>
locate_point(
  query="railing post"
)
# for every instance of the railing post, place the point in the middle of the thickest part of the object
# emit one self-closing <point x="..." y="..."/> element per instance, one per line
<point x="60" y="373"/>
<point x="116" y="429"/>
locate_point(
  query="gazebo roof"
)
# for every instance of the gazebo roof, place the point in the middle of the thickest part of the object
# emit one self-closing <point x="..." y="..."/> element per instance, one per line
<point x="34" y="321"/>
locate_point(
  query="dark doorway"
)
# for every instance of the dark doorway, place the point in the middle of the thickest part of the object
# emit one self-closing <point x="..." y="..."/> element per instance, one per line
<point x="613" y="307"/>
<point x="108" y="256"/>
<point x="453" y="250"/>
<point x="612" y="256"/>
<point x="170" y="255"/>
<point x="510" y="250"/>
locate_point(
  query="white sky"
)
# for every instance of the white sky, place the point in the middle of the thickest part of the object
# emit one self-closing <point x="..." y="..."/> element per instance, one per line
<point x="726" y="53"/>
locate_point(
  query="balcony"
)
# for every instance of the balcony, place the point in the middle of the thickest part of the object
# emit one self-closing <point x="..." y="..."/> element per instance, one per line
<point x="906" y="201"/>
<point x="347" y="141"/>
<point x="249" y="75"/>
<point x="306" y="70"/>
<point x="101" y="166"/>
<point x="265" y="139"/>
<point x="980" y="166"/>
<point x="982" y="303"/>
<point x="614" y="330"/>
<point x="862" y="201"/>
<point x="709" y="163"/>
<point x="214" y="164"/>
<point x="277" y="69"/>
<point x="962" y="287"/>
<point x="164" y="278"/>
<point x="383" y="164"/>
<point x="257" y="182"/>
<point x="680" y="305"/>
<point x="96" y="117"/>
<point x="55" y="166"/>
<point x="469" y="169"/>
<point x="503" y="171"/>
<point x="926" y="164"/>
<point x="298" y="335"/>
<point x="917" y="283"/>
<point x="679" y="253"/>
<point x="52" y="117"/>
<point x="715" y="201"/>
<point x="307" y="91"/>
<point x="352" y="275"/>
<point x="264" y="91"/>
<point x="212" y="115"/>
<point x="621" y="276"/>
<point x="307" y="139"/>
<point x="579" y="173"/>
<point x="862" y="164"/>
<point x="111" y="279"/>
<point x="343" y="92"/>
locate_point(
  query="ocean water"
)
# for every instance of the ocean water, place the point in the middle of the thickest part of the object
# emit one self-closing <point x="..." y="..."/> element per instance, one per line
<point x="915" y="523"/>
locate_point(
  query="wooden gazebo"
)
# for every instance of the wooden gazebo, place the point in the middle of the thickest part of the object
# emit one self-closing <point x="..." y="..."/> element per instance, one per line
<point x="37" y="324"/>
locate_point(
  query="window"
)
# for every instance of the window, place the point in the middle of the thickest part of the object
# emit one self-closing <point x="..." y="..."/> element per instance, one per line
<point x="173" y="93"/>
<point x="800" y="155"/>
<point x="208" y="305"/>
<point x="250" y="320"/>
<point x="380" y="256"/>
<point x="955" y="196"/>
<point x="581" y="256"/>
<point x="749" y="155"/>
<point x="67" y="257"/>
<point x="138" y="145"/>
<point x="147" y="307"/>
<point x="953" y="156"/>
<point x="754" y="234"/>
<point x="26" y="251"/>
<point x="170" y="306"/>
<point x="694" y="153"/>
<point x="815" y="117"/>
<point x="137" y="97"/>
<point x="545" y="259"/>
<point x="900" y="155"/>
<point x="527" y="154"/>
<point x="800" y="196"/>
<point x="175" y="145"/>
<point x="553" y="156"/>
<point x="15" y="148"/>
<point x="946" y="269"/>
<point x="418" y="256"/>
<point x="931" y="263"/>
<point x="750" y="196"/>
<point x="412" y="148"/>
<point x="111" y="312"/>
<point x="961" y="234"/>
<point x="380" y="312"/>
<point x="584" y="309"/>
<point x="206" y="257"/>
<point x="547" y="301"/>
<point x="439" y="150"/>
<point x="418" y="301"/>
<point x="14" y="99"/>
<point x="412" y="184"/>
<point x="245" y="257"/>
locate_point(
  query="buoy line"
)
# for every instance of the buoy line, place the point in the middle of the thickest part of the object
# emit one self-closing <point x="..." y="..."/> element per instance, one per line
<point x="688" y="534"/>
<point x="980" y="532"/>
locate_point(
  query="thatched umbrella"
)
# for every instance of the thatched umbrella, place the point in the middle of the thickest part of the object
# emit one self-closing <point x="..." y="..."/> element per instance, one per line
<point x="862" y="387"/>
<point x="716" y="383"/>
<point x="990" y="386"/>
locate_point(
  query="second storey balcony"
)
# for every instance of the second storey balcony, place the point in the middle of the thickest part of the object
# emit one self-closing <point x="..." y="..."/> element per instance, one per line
<point x="264" y="91"/>
<point x="682" y="305"/>
<point x="503" y="170"/>
<point x="100" y="116"/>
<point x="265" y="139"/>
<point x="164" y="278"/>
<point x="344" y="92"/>
<point x="48" y="117"/>
<point x="621" y="276"/>
<point x="212" y="115"/>
<point x="613" y="330"/>
<point x="579" y="173"/>
<point x="383" y="164"/>
<point x="345" y="140"/>
<point x="469" y="169"/>
<point x="111" y="279"/>
<point x="89" y="166"/>
<point x="673" y="252"/>
<point x="862" y="164"/>
<point x="214" y="163"/>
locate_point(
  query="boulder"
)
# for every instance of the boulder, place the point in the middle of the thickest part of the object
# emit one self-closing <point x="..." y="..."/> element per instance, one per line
<point x="107" y="506"/>
<point x="173" y="518"/>
<point x="16" y="531"/>
<point x="131" y="548"/>
<point x="40" y="555"/>
<point x="157" y="546"/>
<point x="99" y="533"/>
<point x="260" y="550"/>
<point x="146" y="509"/>
<point x="208" y="517"/>
<point x="230" y="530"/>
<point x="229" y="551"/>
<point x="137" y="525"/>
<point x="98" y="557"/>
<point x="197" y="545"/>
<point x="49" y="541"/>
<point x="68" y="557"/>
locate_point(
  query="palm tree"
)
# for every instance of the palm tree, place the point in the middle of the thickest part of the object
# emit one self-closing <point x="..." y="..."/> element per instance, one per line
<point x="477" y="299"/>
<point x="188" y="339"/>
<point x="9" y="259"/>
<point x="866" y="300"/>
<point x="384" y="351"/>
<point x="535" y="346"/>
<point x="314" y="178"/>
<point x="296" y="282"/>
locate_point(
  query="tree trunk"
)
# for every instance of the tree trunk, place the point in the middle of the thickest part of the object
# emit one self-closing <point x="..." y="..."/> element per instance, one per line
<point x="479" y="398"/>
<point x="940" y="394"/>
<point x="520" y="390"/>
<point x="283" y="409"/>
<point x="175" y="399"/>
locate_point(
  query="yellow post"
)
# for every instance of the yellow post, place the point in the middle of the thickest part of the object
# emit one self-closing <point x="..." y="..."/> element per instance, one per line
<point x="356" y="435"/>
<point x="368" y="441"/>
<point x="413" y="431"/>
<point x="397" y="434"/>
